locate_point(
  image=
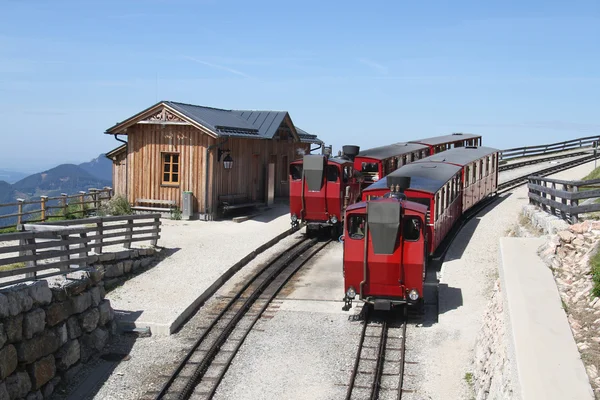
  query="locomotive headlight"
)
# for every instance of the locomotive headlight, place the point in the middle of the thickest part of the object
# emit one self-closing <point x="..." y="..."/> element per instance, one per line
<point x="294" y="218"/>
<point x="351" y="293"/>
<point x="413" y="295"/>
<point x="333" y="219"/>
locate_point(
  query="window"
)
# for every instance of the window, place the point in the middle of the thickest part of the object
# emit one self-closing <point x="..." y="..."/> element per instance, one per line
<point x="474" y="173"/>
<point x="170" y="168"/>
<point x="284" y="169"/>
<point x="493" y="161"/>
<point x="296" y="171"/>
<point x="356" y="226"/>
<point x="466" y="176"/>
<point x="332" y="173"/>
<point x="347" y="173"/>
<point x="412" y="229"/>
<point x="480" y="169"/>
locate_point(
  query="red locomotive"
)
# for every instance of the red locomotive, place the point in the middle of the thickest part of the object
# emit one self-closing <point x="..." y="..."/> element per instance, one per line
<point x="389" y="236"/>
<point x="321" y="188"/>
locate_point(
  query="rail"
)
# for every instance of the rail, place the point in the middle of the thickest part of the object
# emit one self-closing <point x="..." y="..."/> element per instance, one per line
<point x="78" y="205"/>
<point x="561" y="198"/>
<point x="528" y="151"/>
<point x="62" y="247"/>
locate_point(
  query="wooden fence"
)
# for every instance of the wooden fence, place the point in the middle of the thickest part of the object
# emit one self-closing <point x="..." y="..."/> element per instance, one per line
<point x="62" y="247"/>
<point x="544" y="193"/>
<point x="529" y="151"/>
<point x="79" y="205"/>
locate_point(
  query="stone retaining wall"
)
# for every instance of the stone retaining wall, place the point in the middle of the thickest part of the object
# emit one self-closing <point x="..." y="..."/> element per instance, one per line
<point x="48" y="329"/>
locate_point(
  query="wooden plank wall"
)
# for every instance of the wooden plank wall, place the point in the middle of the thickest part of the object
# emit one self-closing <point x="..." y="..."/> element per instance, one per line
<point x="119" y="174"/>
<point x="146" y="144"/>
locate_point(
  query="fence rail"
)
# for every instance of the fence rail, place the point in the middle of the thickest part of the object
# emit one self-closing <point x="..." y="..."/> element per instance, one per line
<point x="67" y="245"/>
<point x="528" y="151"/>
<point x="544" y="192"/>
<point x="80" y="205"/>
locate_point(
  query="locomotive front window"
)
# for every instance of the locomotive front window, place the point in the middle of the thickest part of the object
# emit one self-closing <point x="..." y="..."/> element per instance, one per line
<point x="296" y="171"/>
<point x="412" y="229"/>
<point x="356" y="227"/>
<point x="370" y="167"/>
<point x="332" y="173"/>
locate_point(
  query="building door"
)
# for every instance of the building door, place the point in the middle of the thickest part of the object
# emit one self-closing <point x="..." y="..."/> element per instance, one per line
<point x="257" y="179"/>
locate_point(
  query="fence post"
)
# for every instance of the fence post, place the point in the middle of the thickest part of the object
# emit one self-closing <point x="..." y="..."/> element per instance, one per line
<point x="108" y="191"/>
<point x="98" y="241"/>
<point x="156" y="225"/>
<point x="94" y="194"/>
<point x="574" y="203"/>
<point x="81" y="203"/>
<point x="64" y="204"/>
<point x="553" y="198"/>
<point x="129" y="234"/>
<point x="544" y="195"/>
<point x="563" y="213"/>
<point x="65" y="239"/>
<point x="20" y="211"/>
<point x="43" y="201"/>
<point x="83" y="254"/>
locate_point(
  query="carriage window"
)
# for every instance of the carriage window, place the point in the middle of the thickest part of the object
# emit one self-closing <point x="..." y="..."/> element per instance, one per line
<point x="474" y="173"/>
<point x="493" y="161"/>
<point x="369" y="167"/>
<point x="296" y="171"/>
<point x="356" y="226"/>
<point x="412" y="228"/>
<point x="466" y="176"/>
<point x="332" y="173"/>
<point x="480" y="169"/>
<point x="448" y="193"/>
<point x="412" y="157"/>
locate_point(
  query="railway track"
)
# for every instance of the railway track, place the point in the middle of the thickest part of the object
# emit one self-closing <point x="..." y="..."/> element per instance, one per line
<point x="521" y="164"/>
<point x="202" y="369"/>
<point x="378" y="370"/>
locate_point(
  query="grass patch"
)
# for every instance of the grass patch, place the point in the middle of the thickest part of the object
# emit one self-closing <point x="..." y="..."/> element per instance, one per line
<point x="8" y="230"/>
<point x="10" y="267"/>
<point x="595" y="264"/>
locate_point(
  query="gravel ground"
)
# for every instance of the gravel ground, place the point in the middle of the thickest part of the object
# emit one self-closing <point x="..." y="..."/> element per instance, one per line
<point x="305" y="347"/>
<point x="442" y="351"/>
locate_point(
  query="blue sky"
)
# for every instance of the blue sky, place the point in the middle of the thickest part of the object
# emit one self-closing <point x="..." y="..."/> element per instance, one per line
<point x="353" y="72"/>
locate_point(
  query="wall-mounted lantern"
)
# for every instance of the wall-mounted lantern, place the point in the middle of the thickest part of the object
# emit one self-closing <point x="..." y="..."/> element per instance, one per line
<point x="227" y="161"/>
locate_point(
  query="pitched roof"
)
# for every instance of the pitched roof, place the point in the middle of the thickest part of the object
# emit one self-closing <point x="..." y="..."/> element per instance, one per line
<point x="455" y="137"/>
<point x="116" y="151"/>
<point x="221" y="122"/>
<point x="425" y="176"/>
<point x="460" y="155"/>
<point x="391" y="150"/>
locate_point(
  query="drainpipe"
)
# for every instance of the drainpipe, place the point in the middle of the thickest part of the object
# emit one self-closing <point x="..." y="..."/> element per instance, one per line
<point x="207" y="168"/>
<point x="126" y="167"/>
<point x="317" y="148"/>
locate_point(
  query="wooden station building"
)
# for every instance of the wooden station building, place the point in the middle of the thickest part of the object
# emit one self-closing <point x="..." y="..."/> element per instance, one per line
<point x="224" y="157"/>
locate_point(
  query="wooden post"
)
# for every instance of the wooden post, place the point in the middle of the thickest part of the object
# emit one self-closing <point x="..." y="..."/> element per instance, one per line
<point x="94" y="194"/>
<point x="65" y="239"/>
<point x="129" y="234"/>
<point x="544" y="206"/>
<point x="575" y="203"/>
<point x="156" y="225"/>
<point x="32" y="263"/>
<point x="20" y="211"/>
<point x="563" y="214"/>
<point x="553" y="198"/>
<point x="43" y="201"/>
<point x="531" y="192"/>
<point x="81" y="204"/>
<point x="83" y="254"/>
<point x="64" y="204"/>
<point x="98" y="240"/>
<point x="108" y="191"/>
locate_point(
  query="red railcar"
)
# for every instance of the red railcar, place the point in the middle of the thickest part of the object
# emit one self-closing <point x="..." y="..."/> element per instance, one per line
<point x="445" y="186"/>
<point x="438" y="144"/>
<point x="320" y="190"/>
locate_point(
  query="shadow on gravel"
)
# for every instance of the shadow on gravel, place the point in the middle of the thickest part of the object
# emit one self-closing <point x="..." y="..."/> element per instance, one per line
<point x="450" y="298"/>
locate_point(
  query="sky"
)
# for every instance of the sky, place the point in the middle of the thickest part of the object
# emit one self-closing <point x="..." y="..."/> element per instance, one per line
<point x="353" y="72"/>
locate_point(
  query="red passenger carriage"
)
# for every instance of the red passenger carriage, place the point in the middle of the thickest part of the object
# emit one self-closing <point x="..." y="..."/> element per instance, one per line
<point x="429" y="197"/>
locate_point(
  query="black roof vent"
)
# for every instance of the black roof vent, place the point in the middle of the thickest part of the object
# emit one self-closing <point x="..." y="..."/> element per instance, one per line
<point x="350" y="151"/>
<point x="398" y="183"/>
<point x="458" y="133"/>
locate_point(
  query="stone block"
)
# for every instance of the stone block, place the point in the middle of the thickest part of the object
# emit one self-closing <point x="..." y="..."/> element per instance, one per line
<point x="37" y="395"/>
<point x="93" y="259"/>
<point x="18" y="385"/>
<point x="136" y="265"/>
<point x="566" y="236"/>
<point x="141" y="252"/>
<point x="62" y="333"/>
<point x="73" y="328"/>
<point x="122" y="255"/>
<point x="106" y="257"/>
<point x="39" y="346"/>
<point x="3" y="336"/>
<point x="48" y="389"/>
<point x="14" y="328"/>
<point x="110" y="284"/>
<point x="33" y="322"/>
<point x="68" y="355"/>
<point x="40" y="293"/>
<point x="4" y="308"/>
<point x="3" y="392"/>
<point x="106" y="312"/>
<point x="96" y="273"/>
<point x="77" y="286"/>
<point x="134" y="253"/>
<point x="19" y="301"/>
<point x="69" y="374"/>
<point x="8" y="361"/>
<point x="58" y="294"/>
<point x="147" y="261"/>
<point x="42" y="371"/>
<point x="95" y="293"/>
<point x="127" y="265"/>
<point x="102" y="291"/>
<point x="114" y="270"/>
<point x="89" y="319"/>
<point x="95" y="340"/>
<point x="58" y="312"/>
<point x="81" y="302"/>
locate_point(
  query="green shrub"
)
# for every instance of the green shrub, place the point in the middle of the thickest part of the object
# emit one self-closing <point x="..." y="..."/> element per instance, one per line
<point x="595" y="264"/>
<point x="176" y="213"/>
<point x="118" y="205"/>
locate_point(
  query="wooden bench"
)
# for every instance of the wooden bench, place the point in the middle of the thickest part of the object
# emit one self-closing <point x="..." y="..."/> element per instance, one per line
<point x="168" y="205"/>
<point x="229" y="202"/>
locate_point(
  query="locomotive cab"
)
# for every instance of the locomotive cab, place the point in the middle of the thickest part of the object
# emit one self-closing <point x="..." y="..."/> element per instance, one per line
<point x="385" y="251"/>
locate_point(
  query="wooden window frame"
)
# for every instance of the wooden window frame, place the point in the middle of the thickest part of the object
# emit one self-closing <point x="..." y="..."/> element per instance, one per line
<point x="170" y="182"/>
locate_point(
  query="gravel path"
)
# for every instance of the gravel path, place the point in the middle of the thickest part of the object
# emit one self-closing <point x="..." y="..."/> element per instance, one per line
<point x="443" y="351"/>
<point x="530" y="169"/>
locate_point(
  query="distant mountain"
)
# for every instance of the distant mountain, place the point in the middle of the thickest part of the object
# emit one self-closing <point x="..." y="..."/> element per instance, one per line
<point x="66" y="178"/>
<point x="7" y="193"/>
<point x="11" y="176"/>
<point x="100" y="167"/>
